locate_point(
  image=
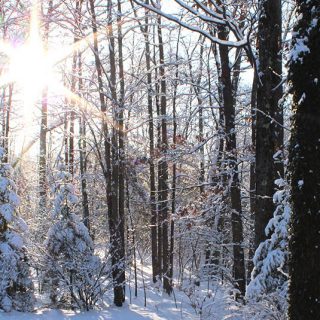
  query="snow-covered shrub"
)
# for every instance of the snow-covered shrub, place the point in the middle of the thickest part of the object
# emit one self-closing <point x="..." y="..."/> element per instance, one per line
<point x="73" y="270"/>
<point x="201" y="239"/>
<point x="269" y="278"/>
<point x="201" y="300"/>
<point x="272" y="307"/>
<point x="16" y="288"/>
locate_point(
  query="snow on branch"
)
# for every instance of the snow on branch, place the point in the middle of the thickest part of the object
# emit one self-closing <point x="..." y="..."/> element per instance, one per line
<point x="216" y="20"/>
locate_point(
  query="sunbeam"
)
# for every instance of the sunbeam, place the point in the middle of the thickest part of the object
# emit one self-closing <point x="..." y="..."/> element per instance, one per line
<point x="32" y="66"/>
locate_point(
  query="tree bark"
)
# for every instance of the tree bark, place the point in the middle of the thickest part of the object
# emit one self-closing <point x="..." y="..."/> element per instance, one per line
<point x="174" y="166"/>
<point x="83" y="156"/>
<point x="268" y="134"/>
<point x="43" y="128"/>
<point x="163" y="178"/>
<point x="159" y="168"/>
<point x="6" y="118"/>
<point x="121" y="151"/>
<point x="304" y="155"/>
<point x="111" y="171"/>
<point x="252" y="174"/>
<point x="153" y="205"/>
<point x="117" y="245"/>
<point x="232" y="163"/>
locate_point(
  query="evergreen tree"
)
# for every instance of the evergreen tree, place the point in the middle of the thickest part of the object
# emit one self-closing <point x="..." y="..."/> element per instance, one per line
<point x="304" y="76"/>
<point x="269" y="278"/>
<point x="73" y="269"/>
<point x="16" y="288"/>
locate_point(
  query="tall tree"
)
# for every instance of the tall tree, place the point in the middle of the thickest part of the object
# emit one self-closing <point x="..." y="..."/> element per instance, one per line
<point x="269" y="92"/>
<point x="82" y="143"/>
<point x="153" y="205"/>
<point x="232" y="163"/>
<point x="74" y="74"/>
<point x="110" y="165"/>
<point x="154" y="213"/>
<point x="163" y="165"/>
<point x="304" y="76"/>
<point x="174" y="165"/>
<point x="44" y="124"/>
<point x="198" y="93"/>
<point x="252" y="173"/>
<point x="115" y="220"/>
<point x="121" y="137"/>
<point x="6" y="122"/>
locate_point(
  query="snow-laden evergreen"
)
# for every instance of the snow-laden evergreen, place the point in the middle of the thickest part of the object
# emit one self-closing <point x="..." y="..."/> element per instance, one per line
<point x="269" y="277"/>
<point x="73" y="269"/>
<point x="16" y="288"/>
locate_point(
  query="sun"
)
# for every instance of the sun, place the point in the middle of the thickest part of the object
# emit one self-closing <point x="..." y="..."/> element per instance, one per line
<point x="29" y="65"/>
<point x="33" y="65"/>
<point x="31" y="70"/>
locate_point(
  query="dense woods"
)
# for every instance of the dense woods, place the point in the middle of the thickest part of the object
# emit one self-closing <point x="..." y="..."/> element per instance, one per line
<point x="161" y="147"/>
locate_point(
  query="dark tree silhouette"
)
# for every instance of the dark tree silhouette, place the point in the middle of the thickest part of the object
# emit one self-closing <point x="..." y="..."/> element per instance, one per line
<point x="304" y="290"/>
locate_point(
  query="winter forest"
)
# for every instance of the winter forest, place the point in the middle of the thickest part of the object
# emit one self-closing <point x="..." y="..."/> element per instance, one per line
<point x="160" y="159"/>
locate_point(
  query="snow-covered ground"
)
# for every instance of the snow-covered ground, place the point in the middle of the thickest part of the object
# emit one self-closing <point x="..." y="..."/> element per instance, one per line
<point x="132" y="312"/>
<point x="158" y="308"/>
<point x="202" y="304"/>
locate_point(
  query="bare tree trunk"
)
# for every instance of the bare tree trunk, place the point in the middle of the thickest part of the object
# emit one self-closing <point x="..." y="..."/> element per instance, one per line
<point x="163" y="178"/>
<point x="43" y="128"/>
<point x="83" y="172"/>
<point x="232" y="162"/>
<point x="201" y="136"/>
<point x="154" y="213"/>
<point x="304" y="155"/>
<point x="75" y="65"/>
<point x="4" y="112"/>
<point x="72" y="117"/>
<point x="7" y="125"/>
<point x="252" y="173"/>
<point x="268" y="133"/>
<point x="111" y="171"/>
<point x="83" y="156"/>
<point x="174" y="166"/>
<point x="159" y="194"/>
<point x="116" y="227"/>
<point x="197" y="91"/>
<point x="121" y="152"/>
<point x="220" y="177"/>
<point x="65" y="135"/>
